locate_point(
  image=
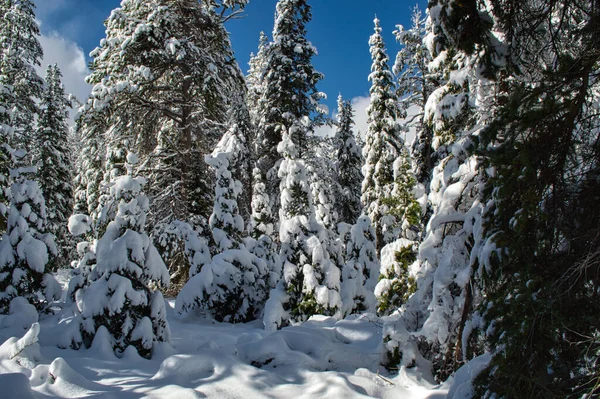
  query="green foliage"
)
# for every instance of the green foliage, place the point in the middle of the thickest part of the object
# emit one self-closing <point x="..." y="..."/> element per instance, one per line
<point x="402" y="285"/>
<point x="541" y="297"/>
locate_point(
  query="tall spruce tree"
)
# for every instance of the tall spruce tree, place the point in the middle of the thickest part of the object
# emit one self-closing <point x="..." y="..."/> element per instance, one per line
<point x="349" y="164"/>
<point x="382" y="186"/>
<point x="21" y="53"/>
<point x="234" y="285"/>
<point x="6" y="131"/>
<point x="416" y="81"/>
<point x="289" y="93"/>
<point x="51" y="156"/>
<point x="256" y="78"/>
<point x="26" y="246"/>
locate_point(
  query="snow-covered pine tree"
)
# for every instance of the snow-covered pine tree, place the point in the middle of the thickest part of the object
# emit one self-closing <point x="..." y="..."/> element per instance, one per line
<point x="118" y="297"/>
<point x="20" y="53"/>
<point x="289" y="93"/>
<point x="361" y="271"/>
<point x="233" y="286"/>
<point x="164" y="77"/>
<point x="416" y="81"/>
<point x="349" y="164"/>
<point x="386" y="190"/>
<point x="311" y="281"/>
<point x="260" y="242"/>
<point x="262" y="220"/>
<point x="395" y="284"/>
<point x="51" y="157"/>
<point x="255" y="78"/>
<point x="225" y="222"/>
<point x="25" y="248"/>
<point x="322" y="175"/>
<point x="436" y="321"/>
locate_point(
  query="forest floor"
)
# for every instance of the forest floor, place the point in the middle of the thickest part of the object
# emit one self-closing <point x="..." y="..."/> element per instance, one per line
<point x="322" y="358"/>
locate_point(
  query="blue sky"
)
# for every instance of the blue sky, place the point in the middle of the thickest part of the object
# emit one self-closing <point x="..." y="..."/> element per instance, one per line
<point x="340" y="30"/>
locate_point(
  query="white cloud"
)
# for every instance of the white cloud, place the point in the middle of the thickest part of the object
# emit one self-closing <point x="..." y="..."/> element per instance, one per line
<point x="71" y="61"/>
<point x="360" y="105"/>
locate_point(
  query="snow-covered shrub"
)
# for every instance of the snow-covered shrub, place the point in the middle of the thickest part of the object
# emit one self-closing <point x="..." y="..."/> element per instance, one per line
<point x="396" y="283"/>
<point x="24" y="350"/>
<point x="361" y="270"/>
<point x="232" y="287"/>
<point x="118" y="296"/>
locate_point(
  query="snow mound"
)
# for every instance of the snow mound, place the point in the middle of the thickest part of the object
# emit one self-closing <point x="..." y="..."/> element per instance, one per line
<point x="25" y="351"/>
<point x="62" y="381"/>
<point x="185" y="369"/>
<point x="321" y="344"/>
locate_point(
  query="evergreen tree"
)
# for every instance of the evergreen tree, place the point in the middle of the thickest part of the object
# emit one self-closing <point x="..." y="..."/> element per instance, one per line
<point x="438" y="321"/>
<point x="256" y="77"/>
<point x="311" y="281"/>
<point x="233" y="286"/>
<point x="225" y="221"/>
<point x="361" y="271"/>
<point x="81" y="225"/>
<point x="21" y="53"/>
<point x="89" y="129"/>
<point x="322" y="175"/>
<point x="118" y="298"/>
<point x="289" y="93"/>
<point x="541" y="276"/>
<point x="52" y="159"/>
<point x="386" y="189"/>
<point x="25" y="248"/>
<point x="164" y="79"/>
<point x="349" y="156"/>
<point x="6" y="131"/>
<point x="415" y="83"/>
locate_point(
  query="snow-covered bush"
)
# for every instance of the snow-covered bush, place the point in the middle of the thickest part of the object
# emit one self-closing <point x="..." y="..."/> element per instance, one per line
<point x="78" y="225"/>
<point x="232" y="287"/>
<point x="396" y="282"/>
<point x="119" y="297"/>
<point x="361" y="270"/>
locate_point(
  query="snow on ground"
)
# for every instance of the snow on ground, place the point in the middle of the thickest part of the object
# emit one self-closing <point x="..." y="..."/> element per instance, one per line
<point x="321" y="358"/>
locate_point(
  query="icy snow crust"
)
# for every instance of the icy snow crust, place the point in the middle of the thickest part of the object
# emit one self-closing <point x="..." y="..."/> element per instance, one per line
<point x="322" y="358"/>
